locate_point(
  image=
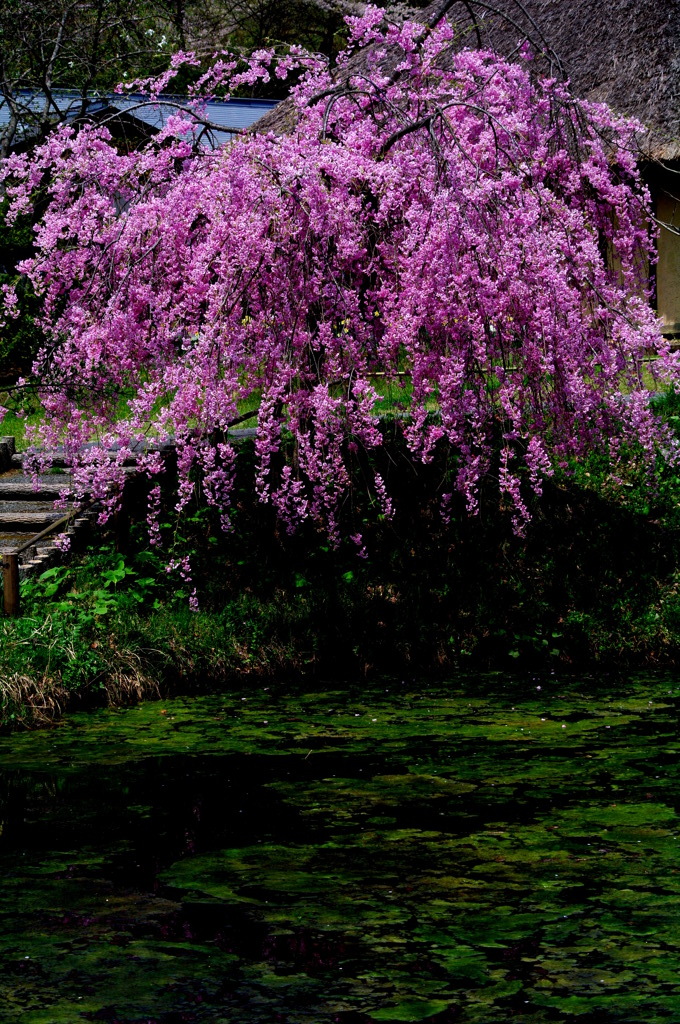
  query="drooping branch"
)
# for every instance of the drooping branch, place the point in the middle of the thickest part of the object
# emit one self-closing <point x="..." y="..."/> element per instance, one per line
<point x="461" y="227"/>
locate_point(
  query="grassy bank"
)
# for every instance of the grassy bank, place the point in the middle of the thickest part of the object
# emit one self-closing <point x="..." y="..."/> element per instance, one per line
<point x="595" y="582"/>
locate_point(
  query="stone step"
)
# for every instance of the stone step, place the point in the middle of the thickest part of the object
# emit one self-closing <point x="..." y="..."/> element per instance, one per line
<point x="59" y="462"/>
<point x="26" y="522"/>
<point x="10" y="541"/>
<point x="59" y="467"/>
<point x="45" y="559"/>
<point x="43" y="548"/>
<point x="20" y="488"/>
<point x="27" y="508"/>
<point x="40" y="506"/>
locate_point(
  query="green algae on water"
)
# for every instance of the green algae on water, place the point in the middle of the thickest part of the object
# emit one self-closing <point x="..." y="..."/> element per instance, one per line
<point x="482" y="852"/>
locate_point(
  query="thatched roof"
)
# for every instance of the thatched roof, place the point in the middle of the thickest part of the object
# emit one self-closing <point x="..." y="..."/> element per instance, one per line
<point x="624" y="52"/>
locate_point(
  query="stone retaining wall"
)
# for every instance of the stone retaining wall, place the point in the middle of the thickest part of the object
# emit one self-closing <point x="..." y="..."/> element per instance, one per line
<point x="7" y="450"/>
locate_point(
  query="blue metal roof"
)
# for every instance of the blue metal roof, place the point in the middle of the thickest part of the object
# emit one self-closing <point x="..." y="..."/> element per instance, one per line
<point x="233" y="113"/>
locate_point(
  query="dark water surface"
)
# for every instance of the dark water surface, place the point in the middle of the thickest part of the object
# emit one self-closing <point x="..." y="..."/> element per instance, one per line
<point x="485" y="851"/>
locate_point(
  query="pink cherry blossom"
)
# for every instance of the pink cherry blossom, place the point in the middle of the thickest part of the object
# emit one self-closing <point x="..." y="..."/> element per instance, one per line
<point x="437" y="220"/>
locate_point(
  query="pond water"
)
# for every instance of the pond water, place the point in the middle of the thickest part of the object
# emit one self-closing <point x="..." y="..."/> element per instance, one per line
<point x="487" y="851"/>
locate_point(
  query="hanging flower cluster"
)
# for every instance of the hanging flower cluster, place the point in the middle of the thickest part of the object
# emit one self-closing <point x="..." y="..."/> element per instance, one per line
<point x="438" y="221"/>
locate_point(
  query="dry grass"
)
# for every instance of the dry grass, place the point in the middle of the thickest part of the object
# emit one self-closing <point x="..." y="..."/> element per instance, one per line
<point x="28" y="702"/>
<point x="31" y="696"/>
<point x="127" y="682"/>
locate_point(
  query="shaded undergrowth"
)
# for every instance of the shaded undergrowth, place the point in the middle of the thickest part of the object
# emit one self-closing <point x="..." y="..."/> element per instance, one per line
<point x="595" y="581"/>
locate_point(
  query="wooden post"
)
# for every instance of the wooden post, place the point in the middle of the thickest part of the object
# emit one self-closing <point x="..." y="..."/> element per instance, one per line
<point x="10" y="581"/>
<point x="121" y="529"/>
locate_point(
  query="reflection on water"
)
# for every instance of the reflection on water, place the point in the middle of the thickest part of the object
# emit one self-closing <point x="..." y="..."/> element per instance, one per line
<point x="486" y="851"/>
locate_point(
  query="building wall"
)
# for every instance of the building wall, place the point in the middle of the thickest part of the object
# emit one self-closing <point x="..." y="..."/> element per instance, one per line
<point x="668" y="267"/>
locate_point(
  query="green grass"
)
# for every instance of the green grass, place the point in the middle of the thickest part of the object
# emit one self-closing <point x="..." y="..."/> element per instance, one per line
<point x="14" y="426"/>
